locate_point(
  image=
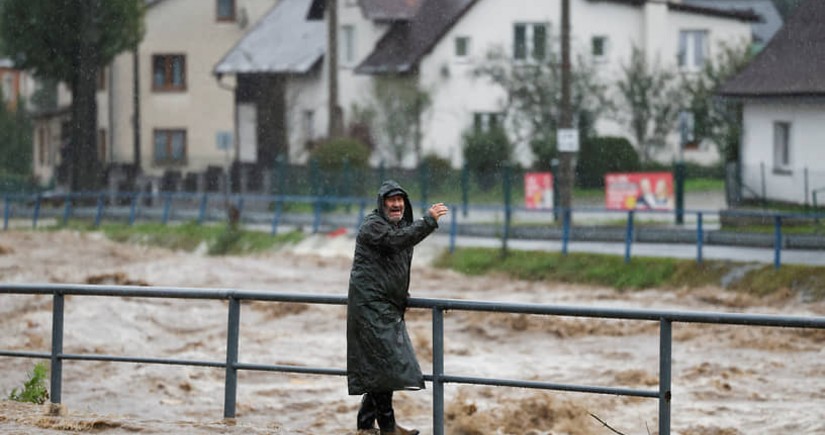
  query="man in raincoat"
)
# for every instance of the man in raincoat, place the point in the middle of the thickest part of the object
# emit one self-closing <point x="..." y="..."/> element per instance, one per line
<point x="380" y="356"/>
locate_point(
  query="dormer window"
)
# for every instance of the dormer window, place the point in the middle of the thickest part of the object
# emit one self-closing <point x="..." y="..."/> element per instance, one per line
<point x="225" y="10"/>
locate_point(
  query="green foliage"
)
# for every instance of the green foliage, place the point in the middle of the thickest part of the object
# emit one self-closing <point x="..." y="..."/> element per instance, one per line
<point x="439" y="170"/>
<point x="602" y="155"/>
<point x="15" y="141"/>
<point x="640" y="273"/>
<point x="342" y="165"/>
<point x="649" y="104"/>
<point x="544" y="151"/>
<point x="34" y="389"/>
<point x="484" y="153"/>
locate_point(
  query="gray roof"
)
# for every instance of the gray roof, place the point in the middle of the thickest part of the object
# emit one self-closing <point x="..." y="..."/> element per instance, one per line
<point x="390" y="10"/>
<point x="285" y="40"/>
<point x="792" y="63"/>
<point x="685" y="6"/>
<point x="770" y="20"/>
<point x="403" y="46"/>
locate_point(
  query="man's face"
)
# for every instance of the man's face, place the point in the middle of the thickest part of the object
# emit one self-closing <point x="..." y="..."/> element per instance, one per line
<point x="394" y="208"/>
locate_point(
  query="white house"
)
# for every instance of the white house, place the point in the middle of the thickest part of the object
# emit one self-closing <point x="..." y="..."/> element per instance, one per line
<point x="438" y="43"/>
<point x="783" y="94"/>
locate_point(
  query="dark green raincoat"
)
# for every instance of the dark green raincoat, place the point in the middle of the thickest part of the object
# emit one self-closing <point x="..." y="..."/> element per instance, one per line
<point x="380" y="356"/>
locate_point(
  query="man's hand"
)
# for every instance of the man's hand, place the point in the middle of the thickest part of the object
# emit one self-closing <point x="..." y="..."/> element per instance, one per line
<point x="438" y="210"/>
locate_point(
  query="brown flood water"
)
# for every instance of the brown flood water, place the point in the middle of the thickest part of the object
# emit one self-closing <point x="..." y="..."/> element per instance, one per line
<point x="726" y="379"/>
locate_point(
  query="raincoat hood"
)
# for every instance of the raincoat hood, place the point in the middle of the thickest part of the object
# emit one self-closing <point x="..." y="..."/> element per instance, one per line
<point x="391" y="188"/>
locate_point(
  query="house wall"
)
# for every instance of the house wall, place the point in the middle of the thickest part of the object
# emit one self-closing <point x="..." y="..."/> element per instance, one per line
<point x="457" y="95"/>
<point x="187" y="27"/>
<point x="757" y="151"/>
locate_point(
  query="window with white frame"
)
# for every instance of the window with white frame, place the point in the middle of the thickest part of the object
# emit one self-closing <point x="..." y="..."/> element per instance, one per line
<point x="693" y="49"/>
<point x="598" y="47"/>
<point x="462" y="47"/>
<point x="782" y="146"/>
<point x="347" y="48"/>
<point x="530" y="41"/>
<point x="484" y="122"/>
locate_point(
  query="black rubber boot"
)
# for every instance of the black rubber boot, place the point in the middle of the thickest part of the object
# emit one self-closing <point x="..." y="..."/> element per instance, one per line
<point x="383" y="411"/>
<point x="366" y="415"/>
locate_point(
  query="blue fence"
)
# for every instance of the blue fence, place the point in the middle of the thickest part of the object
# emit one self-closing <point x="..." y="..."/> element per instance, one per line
<point x="233" y="362"/>
<point x="276" y="211"/>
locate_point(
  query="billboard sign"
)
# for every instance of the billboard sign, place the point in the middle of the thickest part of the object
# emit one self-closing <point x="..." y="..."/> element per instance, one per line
<point x="639" y="191"/>
<point x="538" y="190"/>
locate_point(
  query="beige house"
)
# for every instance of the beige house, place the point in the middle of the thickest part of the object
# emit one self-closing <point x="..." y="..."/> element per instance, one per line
<point x="161" y="107"/>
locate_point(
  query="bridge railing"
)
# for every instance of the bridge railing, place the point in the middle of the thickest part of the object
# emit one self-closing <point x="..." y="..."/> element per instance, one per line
<point x="233" y="363"/>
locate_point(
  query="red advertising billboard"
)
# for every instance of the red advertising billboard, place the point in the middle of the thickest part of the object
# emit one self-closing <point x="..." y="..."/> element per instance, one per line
<point x="538" y="190"/>
<point x="639" y="191"/>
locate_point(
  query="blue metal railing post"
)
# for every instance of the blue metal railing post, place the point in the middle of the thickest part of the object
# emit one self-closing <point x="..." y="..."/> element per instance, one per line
<point x="36" y="214"/>
<point x="6" y="212"/>
<point x="57" y="348"/>
<point x="438" y="371"/>
<point x="99" y="211"/>
<point x="361" y="213"/>
<point x="67" y="209"/>
<point x="565" y="231"/>
<point x="628" y="239"/>
<point x="453" y="230"/>
<point x="699" y="237"/>
<point x="240" y="209"/>
<point x="133" y="208"/>
<point x="777" y="244"/>
<point x="202" y="209"/>
<point x="276" y="217"/>
<point x="665" y="356"/>
<point x="232" y="334"/>
<point x="167" y="206"/>
<point x="316" y="221"/>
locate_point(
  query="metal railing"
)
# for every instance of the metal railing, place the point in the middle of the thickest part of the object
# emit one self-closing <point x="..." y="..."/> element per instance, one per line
<point x="438" y="378"/>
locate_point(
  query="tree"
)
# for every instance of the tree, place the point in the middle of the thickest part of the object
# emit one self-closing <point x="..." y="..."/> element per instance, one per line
<point x="70" y="41"/>
<point x="399" y="103"/>
<point x="716" y="119"/>
<point x="532" y="108"/>
<point x="15" y="141"/>
<point x="650" y="104"/>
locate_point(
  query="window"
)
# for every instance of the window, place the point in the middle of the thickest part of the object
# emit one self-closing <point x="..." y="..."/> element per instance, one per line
<point x="462" y="47"/>
<point x="782" y="146"/>
<point x="226" y="10"/>
<point x="347" y="47"/>
<point x="530" y="41"/>
<point x="693" y="49"/>
<point x="169" y="72"/>
<point x="170" y="147"/>
<point x="598" y="47"/>
<point x="483" y="122"/>
<point x="101" y="144"/>
<point x="8" y="87"/>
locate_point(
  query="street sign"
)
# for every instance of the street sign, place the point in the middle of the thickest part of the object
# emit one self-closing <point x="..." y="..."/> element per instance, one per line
<point x="567" y="140"/>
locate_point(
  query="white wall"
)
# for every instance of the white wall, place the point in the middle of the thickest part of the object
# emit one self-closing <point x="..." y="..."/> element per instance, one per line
<point x="757" y="152"/>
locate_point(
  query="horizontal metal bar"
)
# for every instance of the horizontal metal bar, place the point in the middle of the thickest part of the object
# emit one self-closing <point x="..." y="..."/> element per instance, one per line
<point x="43" y="355"/>
<point x="548" y="386"/>
<point x="128" y="359"/>
<point x="291" y="369"/>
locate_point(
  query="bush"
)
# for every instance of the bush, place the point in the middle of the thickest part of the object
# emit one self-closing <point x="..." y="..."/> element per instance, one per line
<point x="544" y="151"/>
<point x="439" y="170"/>
<point x="485" y="152"/>
<point x="34" y="389"/>
<point x="601" y="155"/>
<point x="342" y="164"/>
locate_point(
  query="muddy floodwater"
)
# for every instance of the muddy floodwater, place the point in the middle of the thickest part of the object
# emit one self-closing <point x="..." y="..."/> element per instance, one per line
<point x="727" y="380"/>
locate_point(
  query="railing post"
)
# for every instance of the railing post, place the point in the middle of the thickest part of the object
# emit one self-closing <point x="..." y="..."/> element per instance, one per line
<point x="777" y="244"/>
<point x="665" y="356"/>
<point x="6" y="212"/>
<point x="316" y="220"/>
<point x="133" y="208"/>
<point x="36" y="214"/>
<point x="167" y="206"/>
<point x="362" y="209"/>
<point x="232" y="333"/>
<point x="202" y="208"/>
<point x="565" y="231"/>
<point x="699" y="237"/>
<point x="438" y="371"/>
<point x="276" y="217"/>
<point x="67" y="209"/>
<point x="453" y="230"/>
<point x="99" y="212"/>
<point x="57" y="348"/>
<point x="628" y="239"/>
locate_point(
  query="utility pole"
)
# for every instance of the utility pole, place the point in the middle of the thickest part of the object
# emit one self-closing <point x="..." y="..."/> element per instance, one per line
<point x="566" y="122"/>
<point x="335" y="116"/>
